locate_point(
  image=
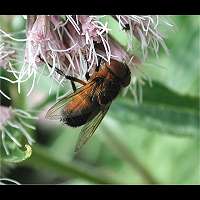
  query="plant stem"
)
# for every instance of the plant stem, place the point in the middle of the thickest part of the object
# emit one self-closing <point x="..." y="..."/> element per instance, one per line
<point x="41" y="158"/>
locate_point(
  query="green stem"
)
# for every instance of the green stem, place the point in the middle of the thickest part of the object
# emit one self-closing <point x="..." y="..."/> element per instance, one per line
<point x="125" y="153"/>
<point x="42" y="159"/>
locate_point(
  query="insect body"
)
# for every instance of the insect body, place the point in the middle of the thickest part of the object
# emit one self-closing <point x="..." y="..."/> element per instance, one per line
<point x="88" y="104"/>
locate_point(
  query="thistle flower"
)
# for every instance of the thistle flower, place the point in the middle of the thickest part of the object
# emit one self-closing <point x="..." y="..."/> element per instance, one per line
<point x="42" y="41"/>
<point x="14" y="124"/>
<point x="7" y="54"/>
<point x="64" y="44"/>
<point x="146" y="29"/>
<point x="73" y="44"/>
<point x="80" y="35"/>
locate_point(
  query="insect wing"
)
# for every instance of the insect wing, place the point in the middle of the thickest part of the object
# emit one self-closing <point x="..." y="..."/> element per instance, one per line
<point x="88" y="130"/>
<point x="56" y="110"/>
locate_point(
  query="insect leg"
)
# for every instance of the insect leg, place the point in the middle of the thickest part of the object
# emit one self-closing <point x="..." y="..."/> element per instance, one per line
<point x="73" y="85"/>
<point x="71" y="78"/>
<point x="99" y="64"/>
<point x="87" y="75"/>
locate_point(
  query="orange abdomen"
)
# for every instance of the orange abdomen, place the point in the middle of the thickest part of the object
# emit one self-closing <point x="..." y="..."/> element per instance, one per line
<point x="79" y="111"/>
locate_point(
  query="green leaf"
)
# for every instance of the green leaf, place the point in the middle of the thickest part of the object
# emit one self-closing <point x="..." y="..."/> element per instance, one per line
<point x="42" y="158"/>
<point x="180" y="71"/>
<point x="162" y="133"/>
<point x="162" y="110"/>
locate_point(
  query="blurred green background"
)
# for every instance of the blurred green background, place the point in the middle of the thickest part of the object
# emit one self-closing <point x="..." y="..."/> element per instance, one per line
<point x="156" y="141"/>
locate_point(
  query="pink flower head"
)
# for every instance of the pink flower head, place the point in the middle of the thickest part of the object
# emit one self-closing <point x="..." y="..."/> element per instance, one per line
<point x="146" y="29"/>
<point x="13" y="122"/>
<point x="74" y="44"/>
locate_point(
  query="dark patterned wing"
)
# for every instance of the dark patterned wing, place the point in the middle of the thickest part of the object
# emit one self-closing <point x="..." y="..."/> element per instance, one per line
<point x="89" y="128"/>
<point x="56" y="110"/>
